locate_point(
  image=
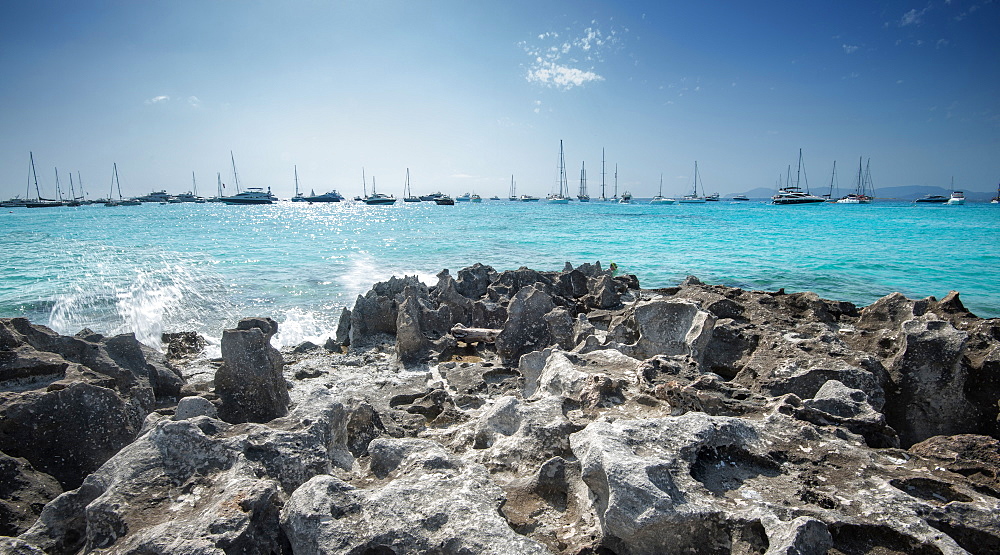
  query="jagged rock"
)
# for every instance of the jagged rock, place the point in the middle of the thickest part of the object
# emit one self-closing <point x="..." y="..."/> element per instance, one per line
<point x="23" y="493"/>
<point x="198" y="486"/>
<point x="526" y="329"/>
<point x="665" y="327"/>
<point x="428" y="501"/>
<point x="695" y="482"/>
<point x="250" y="382"/>
<point x="182" y="345"/>
<point x="929" y="381"/>
<point x="412" y="345"/>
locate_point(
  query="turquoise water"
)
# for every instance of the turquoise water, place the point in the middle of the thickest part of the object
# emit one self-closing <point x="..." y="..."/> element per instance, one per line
<point x="201" y="267"/>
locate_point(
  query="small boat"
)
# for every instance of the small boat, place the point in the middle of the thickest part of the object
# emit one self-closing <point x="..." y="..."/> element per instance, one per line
<point x="464" y="198"/>
<point x="626" y="198"/>
<point x="659" y="198"/>
<point x="560" y="198"/>
<point x="15" y="202"/>
<point x="379" y="198"/>
<point x="957" y="198"/>
<point x="444" y="200"/>
<point x="740" y="197"/>
<point x="494" y="197"/>
<point x="529" y="198"/>
<point x="861" y="190"/>
<point x="475" y="198"/>
<point x="793" y="194"/>
<point x="932" y="199"/>
<point x="407" y="194"/>
<point x="253" y="195"/>
<point x="513" y="190"/>
<point x="996" y="199"/>
<point x="693" y="198"/>
<point x="714" y="197"/>
<point x="432" y="197"/>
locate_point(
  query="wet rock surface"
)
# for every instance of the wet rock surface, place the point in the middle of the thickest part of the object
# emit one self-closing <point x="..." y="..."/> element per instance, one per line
<point x="585" y="416"/>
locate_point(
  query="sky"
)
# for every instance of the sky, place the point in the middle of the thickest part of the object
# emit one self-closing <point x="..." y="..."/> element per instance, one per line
<point x="469" y="95"/>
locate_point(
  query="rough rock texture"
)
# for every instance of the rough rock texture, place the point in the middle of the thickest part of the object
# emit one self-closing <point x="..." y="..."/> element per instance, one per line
<point x="250" y="381"/>
<point x="604" y="419"/>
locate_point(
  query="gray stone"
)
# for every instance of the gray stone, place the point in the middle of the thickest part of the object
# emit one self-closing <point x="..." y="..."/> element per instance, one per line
<point x="250" y="381"/>
<point x="526" y="329"/>
<point x="191" y="407"/>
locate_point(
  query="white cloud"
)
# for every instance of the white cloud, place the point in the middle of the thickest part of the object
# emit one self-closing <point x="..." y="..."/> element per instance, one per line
<point x="158" y="99"/>
<point x="569" y="62"/>
<point x="850" y="48"/>
<point x="912" y="17"/>
<point x="194" y="101"/>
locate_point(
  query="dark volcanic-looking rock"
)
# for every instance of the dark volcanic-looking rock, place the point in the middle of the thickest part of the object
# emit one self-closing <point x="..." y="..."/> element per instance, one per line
<point x="250" y="381"/>
<point x="23" y="493"/>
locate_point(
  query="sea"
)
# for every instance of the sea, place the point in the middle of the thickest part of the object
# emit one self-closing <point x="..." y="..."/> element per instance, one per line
<point x="160" y="268"/>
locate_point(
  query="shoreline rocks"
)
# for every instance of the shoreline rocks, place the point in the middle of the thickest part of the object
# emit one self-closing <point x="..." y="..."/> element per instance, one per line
<point x="584" y="415"/>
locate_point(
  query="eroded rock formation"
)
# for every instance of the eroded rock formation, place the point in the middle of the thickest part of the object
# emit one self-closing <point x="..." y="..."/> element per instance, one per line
<point x="591" y="416"/>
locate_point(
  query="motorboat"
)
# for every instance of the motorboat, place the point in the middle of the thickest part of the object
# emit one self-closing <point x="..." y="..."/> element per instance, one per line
<point x="626" y="198"/>
<point x="155" y="196"/>
<point x="476" y="198"/>
<point x="740" y="197"/>
<point x="957" y="197"/>
<point x="445" y="200"/>
<point x="464" y="198"/>
<point x="380" y="198"/>
<point x="332" y="196"/>
<point x="795" y="195"/>
<point x="432" y="197"/>
<point x="714" y="197"/>
<point x="253" y="195"/>
<point x="529" y="198"/>
<point x="932" y="199"/>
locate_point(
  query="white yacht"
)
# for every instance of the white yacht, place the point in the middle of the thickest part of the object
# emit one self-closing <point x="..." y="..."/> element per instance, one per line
<point x="957" y="197"/>
<point x="253" y="195"/>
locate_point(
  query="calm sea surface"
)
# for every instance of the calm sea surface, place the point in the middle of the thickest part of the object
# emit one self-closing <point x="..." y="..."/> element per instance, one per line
<point x="155" y="268"/>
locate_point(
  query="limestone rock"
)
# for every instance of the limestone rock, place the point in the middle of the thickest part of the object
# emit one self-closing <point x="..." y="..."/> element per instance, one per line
<point x="250" y="382"/>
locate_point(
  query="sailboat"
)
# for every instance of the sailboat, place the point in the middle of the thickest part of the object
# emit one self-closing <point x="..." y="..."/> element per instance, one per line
<point x="38" y="201"/>
<point x="693" y="198"/>
<point x="190" y="196"/>
<point x="996" y="199"/>
<point x="560" y="198"/>
<point x="299" y="197"/>
<point x="379" y="198"/>
<point x="407" y="194"/>
<point x="115" y="184"/>
<point x="583" y="196"/>
<point x="603" y="198"/>
<point x="659" y="198"/>
<point x="793" y="194"/>
<point x="861" y="190"/>
<point x="513" y="189"/>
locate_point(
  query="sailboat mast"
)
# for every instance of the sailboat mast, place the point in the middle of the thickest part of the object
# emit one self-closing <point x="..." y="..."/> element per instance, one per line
<point x="218" y="177"/>
<point x="35" y="175"/>
<point x="583" y="179"/>
<point x="72" y="190"/>
<point x="798" y="173"/>
<point x="296" y="168"/>
<point x="602" y="175"/>
<point x="562" y="168"/>
<point x="660" y="194"/>
<point x="194" y="184"/>
<point x="833" y="179"/>
<point x="119" y="183"/>
<point x="58" y="188"/>
<point x="236" y="177"/>
<point x="83" y="194"/>
<point x="364" y="182"/>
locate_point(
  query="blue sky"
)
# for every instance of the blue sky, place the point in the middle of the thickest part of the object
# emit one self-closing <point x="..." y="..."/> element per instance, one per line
<point x="465" y="94"/>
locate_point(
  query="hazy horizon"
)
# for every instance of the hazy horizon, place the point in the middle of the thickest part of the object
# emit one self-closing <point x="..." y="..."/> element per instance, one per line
<point x="466" y="95"/>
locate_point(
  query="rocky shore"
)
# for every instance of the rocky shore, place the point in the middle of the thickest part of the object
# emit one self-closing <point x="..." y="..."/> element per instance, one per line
<point x="516" y="412"/>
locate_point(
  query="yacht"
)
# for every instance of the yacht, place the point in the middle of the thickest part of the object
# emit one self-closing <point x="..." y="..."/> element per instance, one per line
<point x="464" y="198"/>
<point x="626" y="198"/>
<point x="957" y="197"/>
<point x="332" y="196"/>
<point x="529" y="198"/>
<point x="795" y="195"/>
<point x="740" y="197"/>
<point x="253" y="195"/>
<point x="432" y="197"/>
<point x="476" y="198"/>
<point x="932" y="199"/>
<point x="155" y="196"/>
<point x="444" y="200"/>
